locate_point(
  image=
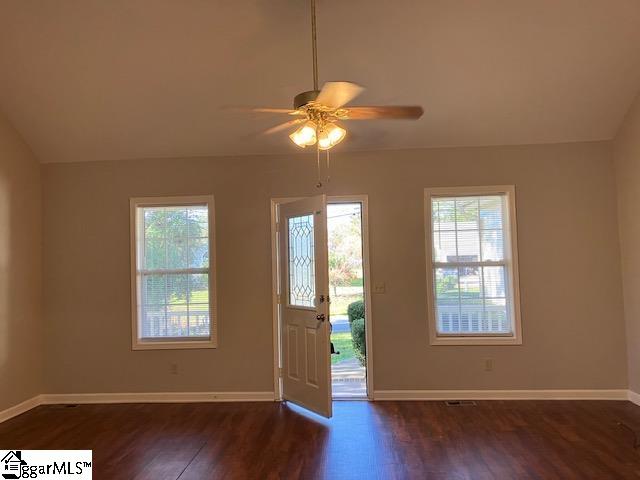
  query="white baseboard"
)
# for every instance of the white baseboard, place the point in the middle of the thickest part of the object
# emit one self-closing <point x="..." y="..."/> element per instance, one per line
<point x="20" y="408"/>
<point x="633" y="397"/>
<point x="193" y="397"/>
<point x="157" y="397"/>
<point x="501" y="395"/>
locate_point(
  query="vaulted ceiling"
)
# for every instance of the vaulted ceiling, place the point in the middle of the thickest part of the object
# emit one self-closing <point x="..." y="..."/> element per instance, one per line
<point x="92" y="79"/>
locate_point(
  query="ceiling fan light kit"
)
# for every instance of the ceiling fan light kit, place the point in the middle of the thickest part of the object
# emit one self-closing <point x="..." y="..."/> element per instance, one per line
<point x="330" y="135"/>
<point x="305" y="135"/>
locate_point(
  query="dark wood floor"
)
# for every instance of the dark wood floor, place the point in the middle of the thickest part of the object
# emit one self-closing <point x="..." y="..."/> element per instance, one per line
<point x="386" y="440"/>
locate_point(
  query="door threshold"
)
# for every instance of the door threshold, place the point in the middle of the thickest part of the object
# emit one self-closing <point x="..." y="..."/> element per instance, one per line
<point x="358" y="398"/>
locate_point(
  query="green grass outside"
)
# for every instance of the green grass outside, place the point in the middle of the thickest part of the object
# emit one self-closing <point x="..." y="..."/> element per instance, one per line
<point x="201" y="296"/>
<point x="197" y="297"/>
<point x="343" y="344"/>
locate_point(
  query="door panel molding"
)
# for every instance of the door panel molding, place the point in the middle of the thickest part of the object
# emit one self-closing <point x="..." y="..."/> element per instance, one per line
<point x="293" y="353"/>
<point x="311" y="366"/>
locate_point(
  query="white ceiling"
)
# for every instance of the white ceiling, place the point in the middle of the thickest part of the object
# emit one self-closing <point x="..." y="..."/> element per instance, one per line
<point x="95" y="79"/>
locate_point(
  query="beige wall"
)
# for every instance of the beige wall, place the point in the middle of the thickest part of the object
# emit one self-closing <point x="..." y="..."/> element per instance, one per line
<point x="573" y="326"/>
<point x="20" y="270"/>
<point x="627" y="165"/>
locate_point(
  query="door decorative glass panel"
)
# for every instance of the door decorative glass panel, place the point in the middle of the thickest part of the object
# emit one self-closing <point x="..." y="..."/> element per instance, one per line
<point x="302" y="280"/>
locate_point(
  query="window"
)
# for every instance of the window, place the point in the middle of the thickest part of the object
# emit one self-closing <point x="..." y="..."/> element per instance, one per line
<point x="472" y="266"/>
<point x="173" y="273"/>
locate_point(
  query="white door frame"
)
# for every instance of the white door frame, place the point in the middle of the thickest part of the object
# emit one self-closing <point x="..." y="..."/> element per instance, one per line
<point x="277" y="361"/>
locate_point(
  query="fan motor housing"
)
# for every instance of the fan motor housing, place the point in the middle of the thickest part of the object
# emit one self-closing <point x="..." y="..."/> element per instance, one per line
<point x="303" y="98"/>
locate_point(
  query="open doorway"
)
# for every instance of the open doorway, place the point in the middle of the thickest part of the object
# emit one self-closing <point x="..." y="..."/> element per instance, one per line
<point x="349" y="286"/>
<point x="347" y="293"/>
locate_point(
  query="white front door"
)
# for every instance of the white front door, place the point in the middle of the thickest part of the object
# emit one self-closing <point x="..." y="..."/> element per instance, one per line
<point x="304" y="305"/>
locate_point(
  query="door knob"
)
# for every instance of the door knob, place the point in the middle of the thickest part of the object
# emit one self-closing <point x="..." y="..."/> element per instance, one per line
<point x="320" y="317"/>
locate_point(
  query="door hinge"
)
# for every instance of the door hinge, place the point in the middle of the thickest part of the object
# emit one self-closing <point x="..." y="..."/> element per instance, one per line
<point x="277" y="226"/>
<point x="280" y="372"/>
<point x="279" y="298"/>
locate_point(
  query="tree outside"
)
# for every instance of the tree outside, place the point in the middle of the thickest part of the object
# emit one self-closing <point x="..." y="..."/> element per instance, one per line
<point x="345" y="246"/>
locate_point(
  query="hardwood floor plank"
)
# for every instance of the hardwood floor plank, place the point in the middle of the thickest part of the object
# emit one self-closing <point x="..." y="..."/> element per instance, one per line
<point x="378" y="440"/>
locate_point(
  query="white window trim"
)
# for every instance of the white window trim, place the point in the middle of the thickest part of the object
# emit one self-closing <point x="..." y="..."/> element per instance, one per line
<point x="178" y="344"/>
<point x="512" y="266"/>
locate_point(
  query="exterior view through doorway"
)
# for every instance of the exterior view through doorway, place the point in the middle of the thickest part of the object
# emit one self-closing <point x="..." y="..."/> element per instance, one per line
<point x="347" y="306"/>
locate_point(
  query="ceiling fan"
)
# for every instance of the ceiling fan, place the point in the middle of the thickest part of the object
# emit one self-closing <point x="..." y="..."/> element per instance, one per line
<point x="319" y="111"/>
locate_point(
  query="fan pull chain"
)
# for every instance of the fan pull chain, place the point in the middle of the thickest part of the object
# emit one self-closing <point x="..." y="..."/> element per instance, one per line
<point x="328" y="167"/>
<point x="319" y="184"/>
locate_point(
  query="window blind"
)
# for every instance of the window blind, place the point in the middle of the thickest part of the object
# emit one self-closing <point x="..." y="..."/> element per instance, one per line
<point x="470" y="263"/>
<point x="173" y="272"/>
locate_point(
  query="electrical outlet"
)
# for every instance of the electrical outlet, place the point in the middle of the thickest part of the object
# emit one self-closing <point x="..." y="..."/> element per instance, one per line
<point x="173" y="369"/>
<point x="488" y="365"/>
<point x="379" y="287"/>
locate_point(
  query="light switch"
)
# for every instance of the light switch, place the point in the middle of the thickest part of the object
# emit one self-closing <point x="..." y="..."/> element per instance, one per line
<point x="379" y="287"/>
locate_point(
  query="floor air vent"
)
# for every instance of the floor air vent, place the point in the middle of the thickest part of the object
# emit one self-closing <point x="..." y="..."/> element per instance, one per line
<point x="460" y="403"/>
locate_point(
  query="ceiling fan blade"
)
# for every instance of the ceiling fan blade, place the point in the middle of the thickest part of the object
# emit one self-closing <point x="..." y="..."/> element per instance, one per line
<point x="410" y="112"/>
<point x="283" y="126"/>
<point x="337" y="94"/>
<point x="265" y="110"/>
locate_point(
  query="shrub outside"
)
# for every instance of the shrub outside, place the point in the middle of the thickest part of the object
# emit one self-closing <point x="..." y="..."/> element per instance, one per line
<point x="355" y="310"/>
<point x="359" y="339"/>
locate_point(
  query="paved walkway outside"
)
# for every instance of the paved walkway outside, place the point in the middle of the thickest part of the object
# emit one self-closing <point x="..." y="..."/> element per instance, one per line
<point x="348" y="379"/>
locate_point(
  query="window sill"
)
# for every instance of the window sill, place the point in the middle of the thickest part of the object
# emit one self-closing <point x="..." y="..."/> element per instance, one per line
<point x="187" y="345"/>
<point x="461" y="340"/>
